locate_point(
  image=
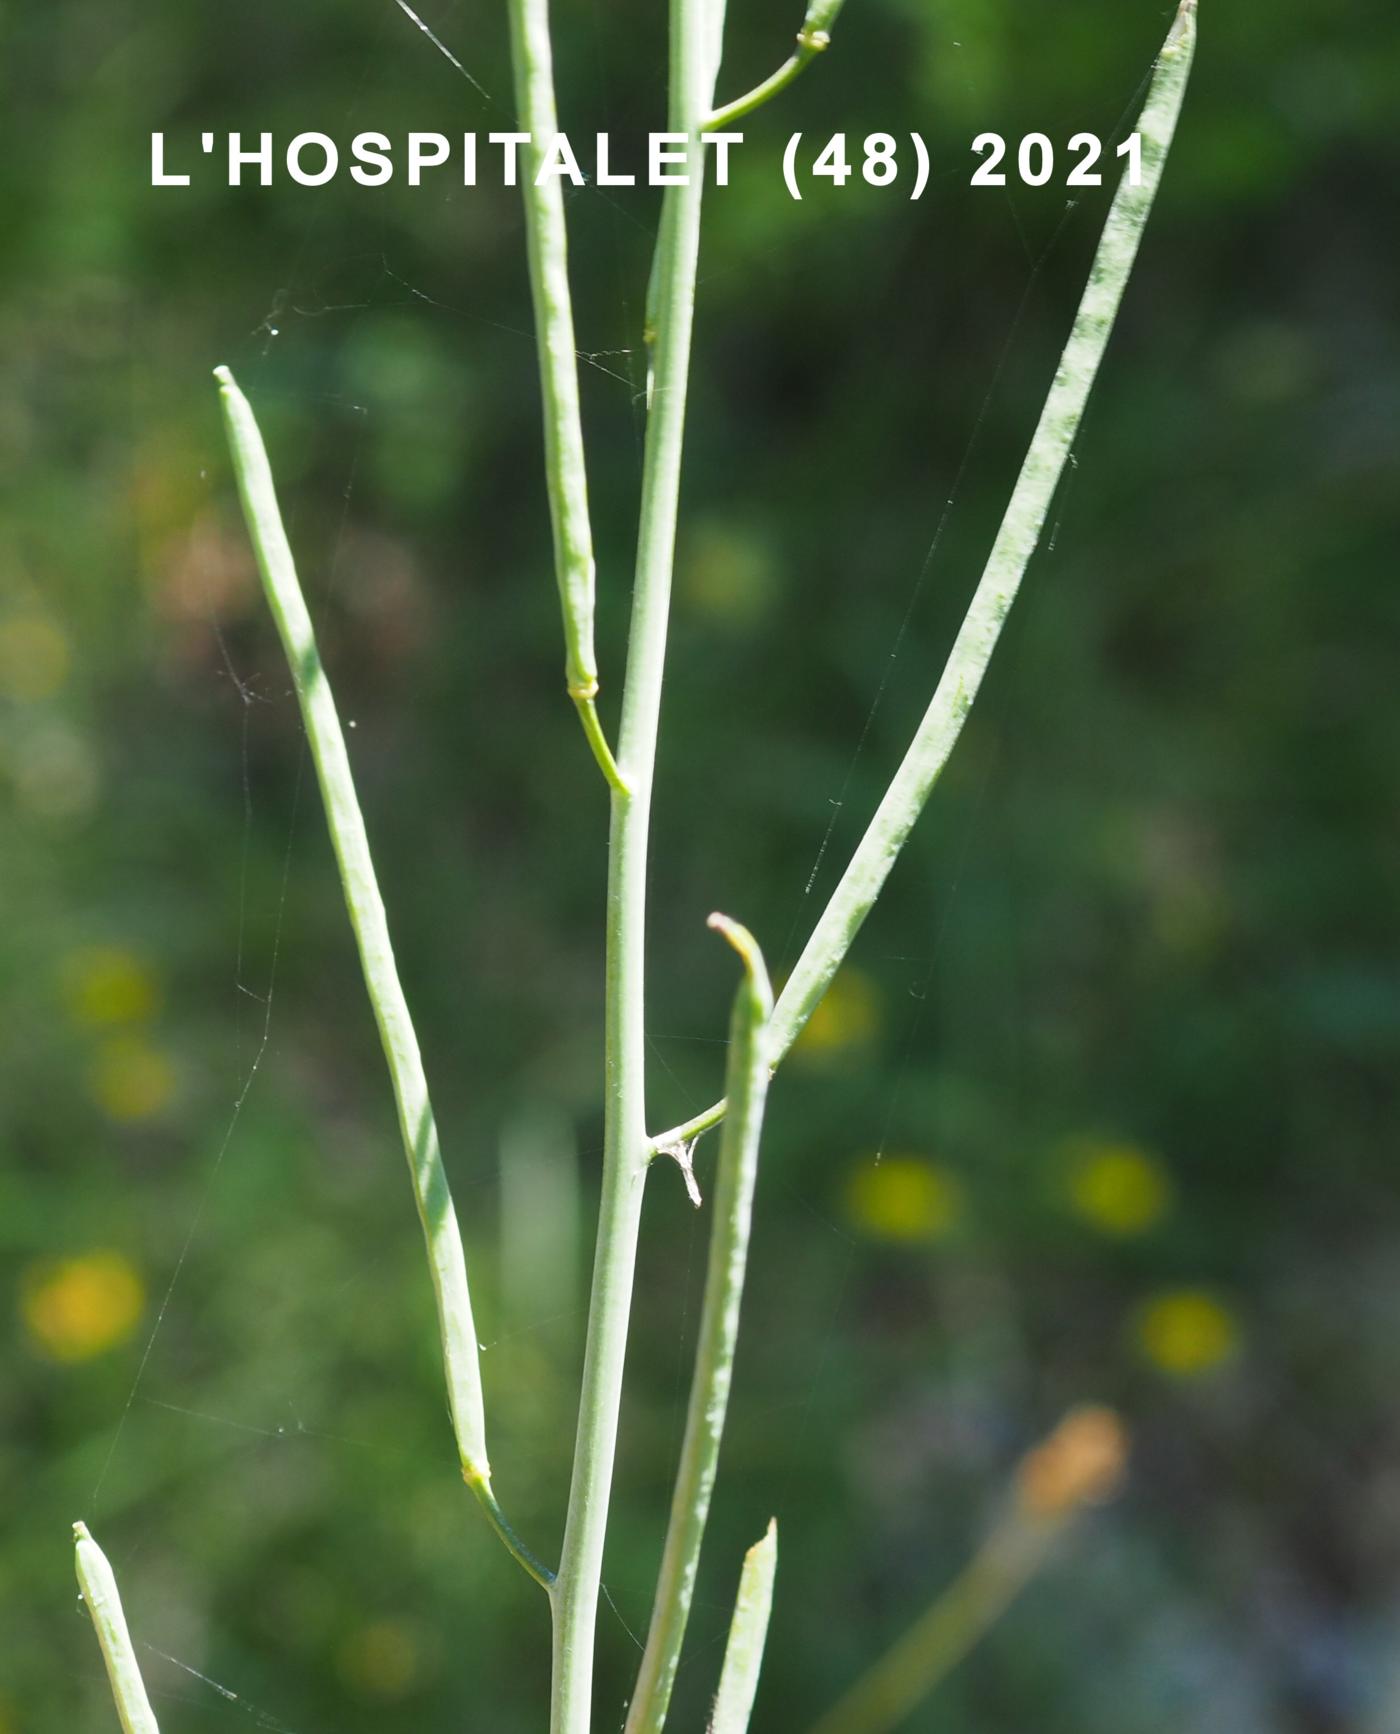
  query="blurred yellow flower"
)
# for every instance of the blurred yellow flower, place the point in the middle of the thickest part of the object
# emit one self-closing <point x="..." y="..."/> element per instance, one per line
<point x="1118" y="1188"/>
<point x="846" y="1016"/>
<point x="727" y="572"/>
<point x="75" y="1308"/>
<point x="904" y="1198"/>
<point x="107" y="984"/>
<point x="131" y="1080"/>
<point x="381" y="1660"/>
<point x="34" y="658"/>
<point x="1187" y="1331"/>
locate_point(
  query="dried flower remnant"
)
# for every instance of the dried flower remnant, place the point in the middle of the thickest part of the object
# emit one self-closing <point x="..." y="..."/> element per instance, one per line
<point x="1081" y="1463"/>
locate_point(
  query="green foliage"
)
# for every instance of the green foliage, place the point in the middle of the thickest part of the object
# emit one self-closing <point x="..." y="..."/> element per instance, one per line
<point x="1155" y="910"/>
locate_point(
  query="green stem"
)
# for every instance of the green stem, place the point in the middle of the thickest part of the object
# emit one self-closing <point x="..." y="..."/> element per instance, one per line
<point x="748" y="1632"/>
<point x="104" y="1603"/>
<point x="548" y="250"/>
<point x="446" y="1260"/>
<point x="626" y="1151"/>
<point x="505" y="1530"/>
<point x="812" y="39"/>
<point x="1016" y="541"/>
<point x="735" y="1177"/>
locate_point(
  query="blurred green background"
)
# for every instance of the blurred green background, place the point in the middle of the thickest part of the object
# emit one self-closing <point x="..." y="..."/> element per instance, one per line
<point x="1122" y="1033"/>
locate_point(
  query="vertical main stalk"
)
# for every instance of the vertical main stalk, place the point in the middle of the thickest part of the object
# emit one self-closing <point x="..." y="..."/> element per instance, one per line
<point x="626" y="1150"/>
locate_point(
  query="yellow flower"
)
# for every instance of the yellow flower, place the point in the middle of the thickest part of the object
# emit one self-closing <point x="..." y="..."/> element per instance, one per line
<point x="1187" y="1331"/>
<point x="904" y="1198"/>
<point x="846" y="1016"/>
<point x="130" y="1080"/>
<point x="75" y="1308"/>
<point x="107" y="984"/>
<point x="33" y="658"/>
<point x="1121" y="1190"/>
<point x="381" y="1660"/>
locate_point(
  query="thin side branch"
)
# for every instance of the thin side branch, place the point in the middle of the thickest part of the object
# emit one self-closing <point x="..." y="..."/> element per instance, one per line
<point x="1080" y="1464"/>
<point x="104" y="1603"/>
<point x="1016" y="541"/>
<point x="547" y="246"/>
<point x="735" y="1178"/>
<point x="446" y="1259"/>
<point x="939" y="1639"/>
<point x="812" y="39"/>
<point x="748" y="1632"/>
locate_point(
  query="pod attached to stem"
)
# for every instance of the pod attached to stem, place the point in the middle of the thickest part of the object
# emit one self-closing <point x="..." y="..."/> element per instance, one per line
<point x="735" y="1177"/>
<point x="1016" y="541"/>
<point x="441" y="1234"/>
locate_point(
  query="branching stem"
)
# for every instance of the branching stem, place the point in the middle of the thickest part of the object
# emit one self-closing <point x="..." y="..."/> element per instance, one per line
<point x="1016" y="541"/>
<point x="735" y="1177"/>
<point x="812" y="39"/>
<point x="626" y="1150"/>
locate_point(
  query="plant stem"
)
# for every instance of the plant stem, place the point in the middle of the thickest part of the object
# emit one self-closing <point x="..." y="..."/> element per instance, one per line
<point x="443" y="1239"/>
<point x="1080" y="1463"/>
<point x="547" y="247"/>
<point x="748" y="1632"/>
<point x="1016" y="541"/>
<point x="104" y="1603"/>
<point x="812" y="38"/>
<point x="939" y="1639"/>
<point x="735" y="1177"/>
<point x="626" y="1152"/>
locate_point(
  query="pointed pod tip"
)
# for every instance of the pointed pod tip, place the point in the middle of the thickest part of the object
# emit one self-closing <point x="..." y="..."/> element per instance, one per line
<point x="738" y="936"/>
<point x="80" y="1532"/>
<point x="765" y="1548"/>
<point x="751" y="956"/>
<point x="224" y="377"/>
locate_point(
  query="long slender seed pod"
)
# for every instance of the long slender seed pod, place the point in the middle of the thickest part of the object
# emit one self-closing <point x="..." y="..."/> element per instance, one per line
<point x="1016" y="541"/>
<point x="735" y="1177"/>
<point x="565" y="474"/>
<point x="104" y="1603"/>
<point x="441" y="1233"/>
<point x="748" y="1632"/>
